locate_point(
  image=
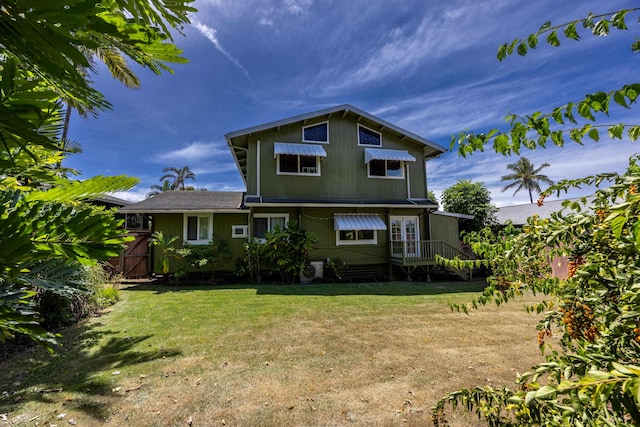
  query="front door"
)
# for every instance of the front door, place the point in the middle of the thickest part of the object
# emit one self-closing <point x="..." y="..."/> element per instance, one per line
<point x="405" y="236"/>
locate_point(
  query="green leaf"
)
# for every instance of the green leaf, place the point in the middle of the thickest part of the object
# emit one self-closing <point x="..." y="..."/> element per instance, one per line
<point x="619" y="99"/>
<point x="594" y="134"/>
<point x="522" y="49"/>
<point x="617" y="225"/>
<point x="552" y="39"/>
<point x="570" y="32"/>
<point x="601" y="28"/>
<point x="634" y="132"/>
<point x="615" y="131"/>
<point x="547" y="392"/>
<point x="533" y="41"/>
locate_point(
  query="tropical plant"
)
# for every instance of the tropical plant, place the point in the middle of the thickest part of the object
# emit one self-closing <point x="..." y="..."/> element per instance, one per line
<point x="48" y="232"/>
<point x="157" y="189"/>
<point x="178" y="176"/>
<point x="471" y="198"/>
<point x="167" y="246"/>
<point x="208" y="257"/>
<point x="287" y="250"/>
<point x="525" y="176"/>
<point x="254" y="261"/>
<point x="593" y="378"/>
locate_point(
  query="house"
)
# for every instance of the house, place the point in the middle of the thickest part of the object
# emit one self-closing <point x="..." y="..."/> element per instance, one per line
<point x="518" y="214"/>
<point x="357" y="182"/>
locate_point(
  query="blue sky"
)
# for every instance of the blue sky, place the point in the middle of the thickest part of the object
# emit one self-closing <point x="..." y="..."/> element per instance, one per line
<point x="429" y="67"/>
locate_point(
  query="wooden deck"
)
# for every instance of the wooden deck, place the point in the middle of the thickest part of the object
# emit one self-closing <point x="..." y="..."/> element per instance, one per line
<point x="409" y="255"/>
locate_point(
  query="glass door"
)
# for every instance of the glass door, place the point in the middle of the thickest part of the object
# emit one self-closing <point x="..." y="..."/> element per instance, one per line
<point x="405" y="236"/>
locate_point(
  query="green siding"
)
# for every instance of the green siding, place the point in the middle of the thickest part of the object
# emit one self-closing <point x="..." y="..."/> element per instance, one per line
<point x="445" y="228"/>
<point x="343" y="171"/>
<point x="172" y="225"/>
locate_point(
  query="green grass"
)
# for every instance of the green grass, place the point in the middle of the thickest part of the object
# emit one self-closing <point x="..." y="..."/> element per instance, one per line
<point x="326" y="354"/>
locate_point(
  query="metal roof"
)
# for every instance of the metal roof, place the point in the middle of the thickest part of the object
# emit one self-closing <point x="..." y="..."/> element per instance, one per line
<point x="385" y="154"/>
<point x="518" y="214"/>
<point x="358" y="222"/>
<point x="312" y="150"/>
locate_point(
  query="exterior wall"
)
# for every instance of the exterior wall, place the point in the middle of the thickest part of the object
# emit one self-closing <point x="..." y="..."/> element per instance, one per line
<point x="343" y="171"/>
<point x="445" y="228"/>
<point x="172" y="225"/>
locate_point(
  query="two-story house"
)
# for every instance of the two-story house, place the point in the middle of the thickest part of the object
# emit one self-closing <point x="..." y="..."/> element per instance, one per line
<point x="357" y="182"/>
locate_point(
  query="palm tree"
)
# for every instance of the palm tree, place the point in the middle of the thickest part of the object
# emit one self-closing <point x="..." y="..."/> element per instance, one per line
<point x="157" y="189"/>
<point x="525" y="176"/>
<point x="178" y="176"/>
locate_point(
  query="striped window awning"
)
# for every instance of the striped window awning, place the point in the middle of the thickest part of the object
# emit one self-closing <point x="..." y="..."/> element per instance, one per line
<point x="385" y="154"/>
<point x="358" y="222"/>
<point x="312" y="150"/>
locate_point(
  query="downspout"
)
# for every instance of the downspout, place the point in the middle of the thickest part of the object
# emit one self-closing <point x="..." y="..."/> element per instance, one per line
<point x="406" y="166"/>
<point x="258" y="168"/>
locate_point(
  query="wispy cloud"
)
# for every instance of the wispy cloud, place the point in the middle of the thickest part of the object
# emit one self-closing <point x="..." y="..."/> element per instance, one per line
<point x="211" y="34"/>
<point x="195" y="152"/>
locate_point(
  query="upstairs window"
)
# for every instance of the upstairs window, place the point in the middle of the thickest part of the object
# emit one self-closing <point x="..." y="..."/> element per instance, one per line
<point x="386" y="169"/>
<point x="316" y="133"/>
<point x="369" y="137"/>
<point x="296" y="164"/>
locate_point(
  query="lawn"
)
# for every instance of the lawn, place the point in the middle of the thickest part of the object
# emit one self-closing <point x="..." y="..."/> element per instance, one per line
<point x="376" y="354"/>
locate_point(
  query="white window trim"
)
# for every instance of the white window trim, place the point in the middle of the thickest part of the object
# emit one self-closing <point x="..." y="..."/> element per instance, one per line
<point x="269" y="215"/>
<point x="243" y="234"/>
<point x="373" y="241"/>
<point x="316" y="124"/>
<point x="298" y="173"/>
<point x="402" y="163"/>
<point x="372" y="130"/>
<point x="185" y="227"/>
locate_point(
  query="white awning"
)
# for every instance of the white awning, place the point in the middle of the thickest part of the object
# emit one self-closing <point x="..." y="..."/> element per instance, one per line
<point x="358" y="222"/>
<point x="383" y="154"/>
<point x="312" y="150"/>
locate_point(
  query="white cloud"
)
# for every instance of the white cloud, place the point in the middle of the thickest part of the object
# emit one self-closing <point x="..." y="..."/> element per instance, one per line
<point x="194" y="153"/>
<point x="136" y="194"/>
<point x="210" y="34"/>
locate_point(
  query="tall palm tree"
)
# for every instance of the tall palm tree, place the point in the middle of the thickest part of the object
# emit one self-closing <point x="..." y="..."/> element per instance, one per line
<point x="525" y="176"/>
<point x="157" y="189"/>
<point x="178" y="176"/>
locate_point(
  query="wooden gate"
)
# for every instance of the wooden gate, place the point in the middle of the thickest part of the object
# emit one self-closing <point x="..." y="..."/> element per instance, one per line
<point x="133" y="261"/>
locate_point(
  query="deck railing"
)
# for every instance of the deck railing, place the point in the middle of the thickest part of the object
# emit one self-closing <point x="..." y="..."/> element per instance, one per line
<point x="424" y="251"/>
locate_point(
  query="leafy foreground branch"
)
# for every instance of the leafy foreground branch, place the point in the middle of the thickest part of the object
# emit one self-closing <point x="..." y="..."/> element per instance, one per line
<point x="572" y="122"/>
<point x="593" y="379"/>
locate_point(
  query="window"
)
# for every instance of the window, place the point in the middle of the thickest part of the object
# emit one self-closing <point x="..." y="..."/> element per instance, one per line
<point x="137" y="221"/>
<point x="356" y="237"/>
<point x="268" y="222"/>
<point x="369" y="137"/>
<point x="298" y="164"/>
<point x="198" y="229"/>
<point x="239" y="231"/>
<point x="316" y="133"/>
<point x="386" y="169"/>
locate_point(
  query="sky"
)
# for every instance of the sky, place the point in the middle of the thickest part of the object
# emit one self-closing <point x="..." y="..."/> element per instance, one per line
<point x="429" y="67"/>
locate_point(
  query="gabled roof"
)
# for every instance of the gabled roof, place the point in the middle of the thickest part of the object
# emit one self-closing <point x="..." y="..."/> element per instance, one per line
<point x="518" y="214"/>
<point x="110" y="200"/>
<point x="184" y="201"/>
<point x="239" y="152"/>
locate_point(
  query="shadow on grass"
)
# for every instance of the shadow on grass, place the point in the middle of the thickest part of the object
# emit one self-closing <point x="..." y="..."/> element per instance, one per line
<point x="84" y="364"/>
<point x="327" y="289"/>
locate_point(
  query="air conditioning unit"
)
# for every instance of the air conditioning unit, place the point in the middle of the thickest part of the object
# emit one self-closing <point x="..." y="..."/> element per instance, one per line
<point x="309" y="169"/>
<point x="311" y="272"/>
